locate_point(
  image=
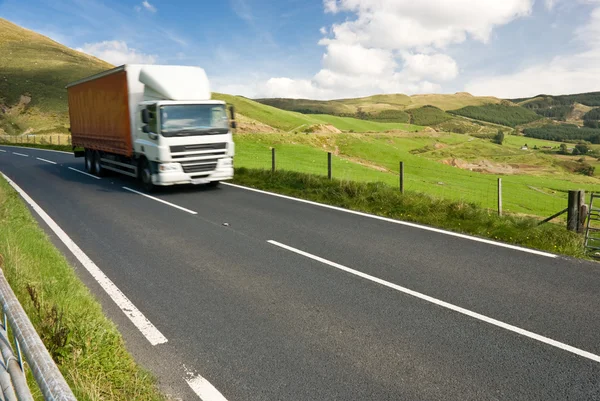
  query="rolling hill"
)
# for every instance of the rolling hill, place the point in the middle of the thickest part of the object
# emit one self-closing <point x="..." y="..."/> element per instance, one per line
<point x="33" y="73"/>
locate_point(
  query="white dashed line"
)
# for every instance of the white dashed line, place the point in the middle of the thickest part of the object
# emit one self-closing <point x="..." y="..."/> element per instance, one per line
<point x="403" y="223"/>
<point x="83" y="172"/>
<point x="475" y="315"/>
<point x="161" y="201"/>
<point x="47" y="161"/>
<point x="20" y="154"/>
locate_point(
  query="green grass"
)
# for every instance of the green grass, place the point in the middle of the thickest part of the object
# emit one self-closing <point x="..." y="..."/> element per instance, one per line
<point x="508" y="115"/>
<point x="376" y="157"/>
<point x="356" y="125"/>
<point x="90" y="351"/>
<point x="380" y="199"/>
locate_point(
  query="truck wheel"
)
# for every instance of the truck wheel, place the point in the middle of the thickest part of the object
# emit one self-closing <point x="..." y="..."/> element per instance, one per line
<point x="145" y="176"/>
<point x="99" y="170"/>
<point x="213" y="184"/>
<point x="89" y="161"/>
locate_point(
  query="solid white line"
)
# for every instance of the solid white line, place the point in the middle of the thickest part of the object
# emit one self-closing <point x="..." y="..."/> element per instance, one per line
<point x="2" y="150"/>
<point x="137" y="318"/>
<point x="161" y="201"/>
<point x="83" y="172"/>
<point x="20" y="154"/>
<point x="45" y="150"/>
<point x="47" y="161"/>
<point x="483" y="318"/>
<point x="205" y="390"/>
<point x="404" y="223"/>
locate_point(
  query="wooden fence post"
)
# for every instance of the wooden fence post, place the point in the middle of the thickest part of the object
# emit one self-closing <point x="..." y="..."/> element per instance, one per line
<point x="329" y="165"/>
<point x="272" y="160"/>
<point x="576" y="199"/>
<point x="401" y="177"/>
<point x="500" y="197"/>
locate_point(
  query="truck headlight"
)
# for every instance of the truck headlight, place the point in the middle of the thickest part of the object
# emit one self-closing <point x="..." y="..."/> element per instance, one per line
<point x="165" y="167"/>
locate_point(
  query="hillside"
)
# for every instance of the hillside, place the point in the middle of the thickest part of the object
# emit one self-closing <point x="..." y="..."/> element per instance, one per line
<point x="395" y="107"/>
<point x="33" y="73"/>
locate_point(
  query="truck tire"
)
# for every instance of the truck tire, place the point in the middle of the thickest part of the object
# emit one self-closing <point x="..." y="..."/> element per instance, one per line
<point x="145" y="176"/>
<point x="89" y="161"/>
<point x="98" y="169"/>
<point x="213" y="184"/>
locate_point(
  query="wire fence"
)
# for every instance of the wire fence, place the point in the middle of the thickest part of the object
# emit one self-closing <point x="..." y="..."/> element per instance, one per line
<point x="518" y="194"/>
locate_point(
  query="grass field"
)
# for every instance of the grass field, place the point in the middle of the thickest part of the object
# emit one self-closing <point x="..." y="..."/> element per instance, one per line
<point x="87" y="346"/>
<point x="376" y="157"/>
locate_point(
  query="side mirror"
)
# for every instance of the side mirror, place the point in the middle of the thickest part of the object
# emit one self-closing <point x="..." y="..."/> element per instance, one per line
<point x="233" y="125"/>
<point x="145" y="116"/>
<point x="145" y="129"/>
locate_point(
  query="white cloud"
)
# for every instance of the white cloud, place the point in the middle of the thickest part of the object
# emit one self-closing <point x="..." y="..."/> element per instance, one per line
<point x="572" y="73"/>
<point x="117" y="53"/>
<point x="323" y="30"/>
<point x="148" y="6"/>
<point x="396" y="45"/>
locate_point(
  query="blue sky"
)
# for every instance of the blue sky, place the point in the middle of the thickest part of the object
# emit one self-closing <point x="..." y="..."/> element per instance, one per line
<point x="340" y="48"/>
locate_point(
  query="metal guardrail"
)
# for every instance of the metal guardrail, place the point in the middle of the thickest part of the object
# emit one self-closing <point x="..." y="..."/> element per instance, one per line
<point x="12" y="377"/>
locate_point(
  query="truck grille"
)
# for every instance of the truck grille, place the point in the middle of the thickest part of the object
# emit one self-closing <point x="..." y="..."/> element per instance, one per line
<point x="194" y="148"/>
<point x="207" y="165"/>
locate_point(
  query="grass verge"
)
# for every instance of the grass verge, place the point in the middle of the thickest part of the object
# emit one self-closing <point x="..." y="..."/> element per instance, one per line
<point x="87" y="346"/>
<point x="382" y="200"/>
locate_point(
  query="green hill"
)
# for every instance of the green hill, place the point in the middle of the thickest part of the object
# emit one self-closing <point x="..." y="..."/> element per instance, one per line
<point x="395" y="107"/>
<point x="293" y="121"/>
<point x="591" y="99"/>
<point x="33" y="73"/>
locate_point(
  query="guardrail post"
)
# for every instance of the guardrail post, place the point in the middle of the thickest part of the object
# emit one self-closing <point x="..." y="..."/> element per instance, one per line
<point x="329" y="165"/>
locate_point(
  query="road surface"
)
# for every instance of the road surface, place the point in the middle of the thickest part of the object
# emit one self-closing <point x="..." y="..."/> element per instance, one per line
<point x="250" y="296"/>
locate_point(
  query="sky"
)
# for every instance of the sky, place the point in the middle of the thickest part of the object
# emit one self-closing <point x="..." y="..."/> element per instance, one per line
<point x="328" y="49"/>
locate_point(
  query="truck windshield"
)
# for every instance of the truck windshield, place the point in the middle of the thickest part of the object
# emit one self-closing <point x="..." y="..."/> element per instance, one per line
<point x="193" y="119"/>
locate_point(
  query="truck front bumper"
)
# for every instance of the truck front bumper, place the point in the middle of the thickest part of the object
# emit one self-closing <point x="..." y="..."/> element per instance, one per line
<point x="223" y="171"/>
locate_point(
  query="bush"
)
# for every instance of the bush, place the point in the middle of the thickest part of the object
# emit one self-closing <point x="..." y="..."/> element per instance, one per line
<point x="499" y="138"/>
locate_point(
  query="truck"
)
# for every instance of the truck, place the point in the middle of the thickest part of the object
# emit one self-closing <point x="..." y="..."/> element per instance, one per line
<point x="156" y="123"/>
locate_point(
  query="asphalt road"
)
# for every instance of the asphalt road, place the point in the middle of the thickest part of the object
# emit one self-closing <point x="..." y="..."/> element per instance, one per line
<point x="303" y="317"/>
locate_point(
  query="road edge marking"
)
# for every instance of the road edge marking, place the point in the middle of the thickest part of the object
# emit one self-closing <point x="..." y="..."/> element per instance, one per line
<point x="47" y="161"/>
<point x="443" y="304"/>
<point x="148" y="330"/>
<point x="83" y="172"/>
<point x="400" y="222"/>
<point x="160" y="200"/>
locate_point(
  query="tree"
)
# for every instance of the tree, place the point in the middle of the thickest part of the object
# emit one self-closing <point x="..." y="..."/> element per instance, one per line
<point x="581" y="149"/>
<point x="563" y="149"/>
<point x="499" y="138"/>
<point x="360" y="113"/>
